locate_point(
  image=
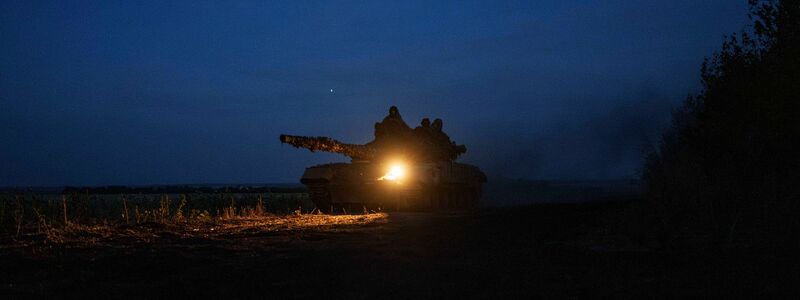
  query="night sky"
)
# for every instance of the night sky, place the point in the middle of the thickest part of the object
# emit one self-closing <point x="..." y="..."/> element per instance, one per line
<point x="134" y="92"/>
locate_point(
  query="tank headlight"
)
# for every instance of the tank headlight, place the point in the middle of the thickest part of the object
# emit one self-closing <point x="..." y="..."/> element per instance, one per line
<point x="396" y="172"/>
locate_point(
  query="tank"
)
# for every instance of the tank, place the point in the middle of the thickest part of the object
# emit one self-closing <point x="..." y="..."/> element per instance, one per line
<point x="401" y="169"/>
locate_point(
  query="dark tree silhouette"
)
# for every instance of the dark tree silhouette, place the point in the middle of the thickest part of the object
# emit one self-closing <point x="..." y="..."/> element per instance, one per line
<point x="729" y="167"/>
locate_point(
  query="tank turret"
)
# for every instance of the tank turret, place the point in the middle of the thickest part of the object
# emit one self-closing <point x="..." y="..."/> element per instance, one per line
<point x="393" y="138"/>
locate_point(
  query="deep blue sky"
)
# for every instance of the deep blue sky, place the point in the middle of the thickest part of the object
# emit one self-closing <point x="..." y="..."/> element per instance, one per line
<point x="136" y="92"/>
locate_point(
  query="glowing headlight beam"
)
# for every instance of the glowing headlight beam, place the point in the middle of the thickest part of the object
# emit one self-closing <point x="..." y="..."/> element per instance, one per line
<point x="396" y="172"/>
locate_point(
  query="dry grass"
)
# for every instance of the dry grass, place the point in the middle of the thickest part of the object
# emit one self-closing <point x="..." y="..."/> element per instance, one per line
<point x="52" y="221"/>
<point x="273" y="223"/>
<point x="122" y="235"/>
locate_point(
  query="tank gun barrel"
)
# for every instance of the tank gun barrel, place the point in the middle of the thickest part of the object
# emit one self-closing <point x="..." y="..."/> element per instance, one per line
<point x="321" y="143"/>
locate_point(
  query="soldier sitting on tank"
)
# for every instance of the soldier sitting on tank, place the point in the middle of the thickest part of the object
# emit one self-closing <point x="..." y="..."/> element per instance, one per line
<point x="432" y="144"/>
<point x="392" y="129"/>
<point x="424" y="129"/>
<point x="438" y="134"/>
<point x="426" y="143"/>
<point x="426" y="123"/>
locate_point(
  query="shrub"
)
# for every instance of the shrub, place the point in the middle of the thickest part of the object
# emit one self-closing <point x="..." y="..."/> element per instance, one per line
<point x="728" y="167"/>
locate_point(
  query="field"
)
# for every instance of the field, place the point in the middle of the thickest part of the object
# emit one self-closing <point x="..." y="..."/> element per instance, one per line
<point x="261" y="246"/>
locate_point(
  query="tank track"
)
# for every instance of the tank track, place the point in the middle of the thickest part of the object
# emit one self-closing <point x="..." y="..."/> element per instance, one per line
<point x="448" y="198"/>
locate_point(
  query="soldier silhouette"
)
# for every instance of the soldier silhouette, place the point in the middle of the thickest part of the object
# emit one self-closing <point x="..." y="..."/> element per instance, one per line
<point x="392" y="130"/>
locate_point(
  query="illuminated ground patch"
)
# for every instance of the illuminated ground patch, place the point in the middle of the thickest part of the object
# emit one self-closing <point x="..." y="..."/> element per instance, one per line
<point x="120" y="235"/>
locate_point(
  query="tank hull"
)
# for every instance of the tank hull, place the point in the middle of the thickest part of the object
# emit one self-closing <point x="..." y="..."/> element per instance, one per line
<point x="426" y="187"/>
